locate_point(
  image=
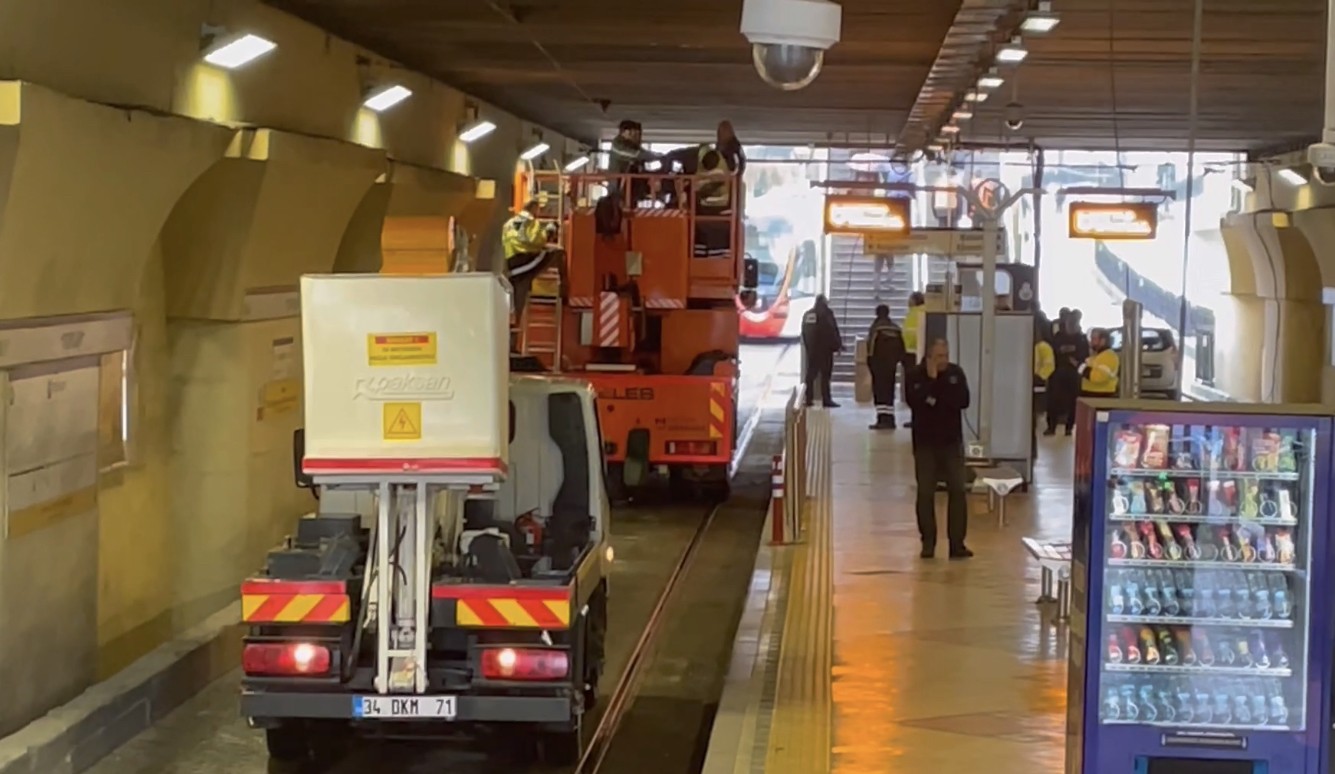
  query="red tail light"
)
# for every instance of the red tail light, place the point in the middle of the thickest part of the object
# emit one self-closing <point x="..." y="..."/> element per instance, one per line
<point x="692" y="448"/>
<point x="285" y="659"/>
<point x="522" y="664"/>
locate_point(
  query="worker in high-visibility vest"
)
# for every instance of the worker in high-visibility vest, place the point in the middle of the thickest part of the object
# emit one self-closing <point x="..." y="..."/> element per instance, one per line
<point x="713" y="195"/>
<point x="912" y="324"/>
<point x="1099" y="374"/>
<point x="1045" y="363"/>
<point x="528" y="253"/>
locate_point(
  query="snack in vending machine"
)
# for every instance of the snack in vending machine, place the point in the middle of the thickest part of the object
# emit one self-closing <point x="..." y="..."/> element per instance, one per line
<point x="1149" y="708"/>
<point x="1242" y="706"/>
<point x="1204" y="709"/>
<point x="1114" y="650"/>
<point x="1285" y="550"/>
<point x="1133" y="583"/>
<point x="1126" y="448"/>
<point x="1186" y="590"/>
<point x="1153" y="604"/>
<point x="1149" y="647"/>
<point x="1256" y="646"/>
<point x="1168" y="588"/>
<point x="1155" y="456"/>
<point x="1268" y="552"/>
<point x="1251" y="500"/>
<point x="1194" y="506"/>
<point x="1260" y="596"/>
<point x="1167" y="708"/>
<point x="1184" y="458"/>
<point x="1233" y="449"/>
<point x="1171" y="549"/>
<point x="1118" y="548"/>
<point x="1168" y="647"/>
<point x="1137" y="548"/>
<point x="1242" y="595"/>
<point x="1205" y="538"/>
<point x="1225" y="655"/>
<point x="1281" y="659"/>
<point x="1279" y="712"/>
<point x="1121" y="499"/>
<point x="1246" y="536"/>
<point x="1130" y="710"/>
<point x="1266" y="451"/>
<point x="1189" y="548"/>
<point x="1184" y="647"/>
<point x="1151" y="540"/>
<point x="1138" y="497"/>
<point x="1287" y="458"/>
<point x="1223" y="596"/>
<point x="1116" y="597"/>
<point x="1112" y="704"/>
<point x="1218" y="506"/>
<point x="1186" y="713"/>
<point x="1223" y="706"/>
<point x="1130" y="648"/>
<point x="1156" y="498"/>
<point x="1279" y="596"/>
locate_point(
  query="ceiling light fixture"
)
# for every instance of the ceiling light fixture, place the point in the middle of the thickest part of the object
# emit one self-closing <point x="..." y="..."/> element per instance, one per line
<point x="386" y="98"/>
<point x="1292" y="177"/>
<point x="991" y="80"/>
<point x="577" y="164"/>
<point x="241" y="51"/>
<point x="476" y="132"/>
<point x="950" y="129"/>
<point x="535" y="151"/>
<point x="963" y="114"/>
<point x="976" y="95"/>
<point x="1041" y="20"/>
<point x="1013" y="52"/>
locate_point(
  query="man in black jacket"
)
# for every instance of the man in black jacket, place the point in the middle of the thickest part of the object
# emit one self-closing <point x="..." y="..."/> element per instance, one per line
<point x="1070" y="349"/>
<point x="821" y="340"/>
<point x="885" y="353"/>
<point x="938" y="393"/>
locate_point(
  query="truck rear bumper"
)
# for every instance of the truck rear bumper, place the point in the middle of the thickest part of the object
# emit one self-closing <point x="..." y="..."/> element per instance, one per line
<point x="261" y="705"/>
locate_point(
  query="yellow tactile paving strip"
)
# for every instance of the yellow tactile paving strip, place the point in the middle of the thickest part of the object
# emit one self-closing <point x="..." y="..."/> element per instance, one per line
<point x="800" y="732"/>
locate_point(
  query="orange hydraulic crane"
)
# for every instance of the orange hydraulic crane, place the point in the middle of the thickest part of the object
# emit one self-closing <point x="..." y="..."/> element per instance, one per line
<point x="650" y="317"/>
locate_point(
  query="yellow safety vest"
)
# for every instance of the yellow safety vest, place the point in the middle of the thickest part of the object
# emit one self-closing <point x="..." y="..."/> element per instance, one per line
<point x="714" y="194"/>
<point x="1101" y="373"/>
<point x="522" y="234"/>
<point x="911" y="324"/>
<point x="1045" y="362"/>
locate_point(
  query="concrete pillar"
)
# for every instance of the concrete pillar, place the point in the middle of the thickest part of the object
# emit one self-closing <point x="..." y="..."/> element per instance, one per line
<point x="234" y="248"/>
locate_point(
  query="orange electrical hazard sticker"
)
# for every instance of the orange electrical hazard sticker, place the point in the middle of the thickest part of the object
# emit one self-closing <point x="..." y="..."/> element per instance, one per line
<point x="403" y="422"/>
<point x="400" y="349"/>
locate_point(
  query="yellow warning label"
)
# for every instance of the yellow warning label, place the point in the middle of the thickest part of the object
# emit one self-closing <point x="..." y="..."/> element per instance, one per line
<point x="403" y="421"/>
<point x="400" y="349"/>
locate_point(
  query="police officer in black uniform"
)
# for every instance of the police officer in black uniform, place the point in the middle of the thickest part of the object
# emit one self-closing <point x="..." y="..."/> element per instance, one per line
<point x="821" y="340"/>
<point x="885" y="352"/>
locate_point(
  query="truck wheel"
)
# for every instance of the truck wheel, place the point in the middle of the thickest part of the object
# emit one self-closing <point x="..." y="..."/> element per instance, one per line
<point x="560" y="748"/>
<point x="288" y="743"/>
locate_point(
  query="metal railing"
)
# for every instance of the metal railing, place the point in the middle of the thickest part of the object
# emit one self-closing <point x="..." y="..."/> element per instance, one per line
<point x="789" y="474"/>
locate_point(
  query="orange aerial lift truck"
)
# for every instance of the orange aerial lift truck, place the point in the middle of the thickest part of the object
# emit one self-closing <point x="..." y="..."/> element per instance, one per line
<point x="454" y="576"/>
<point x="650" y="317"/>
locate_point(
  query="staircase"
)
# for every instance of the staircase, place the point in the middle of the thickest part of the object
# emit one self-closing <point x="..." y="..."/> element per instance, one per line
<point x="853" y="294"/>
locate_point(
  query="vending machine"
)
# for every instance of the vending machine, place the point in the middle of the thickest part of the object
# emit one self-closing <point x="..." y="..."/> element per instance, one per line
<point x="1201" y="627"/>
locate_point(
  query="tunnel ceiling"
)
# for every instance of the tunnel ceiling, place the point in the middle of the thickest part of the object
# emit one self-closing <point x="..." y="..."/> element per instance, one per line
<point x="681" y="65"/>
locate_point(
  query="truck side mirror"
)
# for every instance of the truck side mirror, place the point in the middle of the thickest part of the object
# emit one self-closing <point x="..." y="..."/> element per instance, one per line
<point x="302" y="480"/>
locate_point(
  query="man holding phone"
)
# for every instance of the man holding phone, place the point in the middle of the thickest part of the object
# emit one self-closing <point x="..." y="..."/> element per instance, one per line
<point x="938" y="393"/>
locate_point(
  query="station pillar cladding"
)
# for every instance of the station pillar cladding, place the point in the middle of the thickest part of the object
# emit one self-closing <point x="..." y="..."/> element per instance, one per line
<point x="234" y="249"/>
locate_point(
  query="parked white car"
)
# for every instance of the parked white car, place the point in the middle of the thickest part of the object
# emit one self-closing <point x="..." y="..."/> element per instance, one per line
<point x="1159" y="377"/>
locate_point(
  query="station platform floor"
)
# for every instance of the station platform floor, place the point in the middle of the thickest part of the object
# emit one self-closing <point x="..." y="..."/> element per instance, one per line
<point x="857" y="656"/>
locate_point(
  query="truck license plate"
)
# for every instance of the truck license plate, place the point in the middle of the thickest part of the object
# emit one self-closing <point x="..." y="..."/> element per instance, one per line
<point x="404" y="708"/>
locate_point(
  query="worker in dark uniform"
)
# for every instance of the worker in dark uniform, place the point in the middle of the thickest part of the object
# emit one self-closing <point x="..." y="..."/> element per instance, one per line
<point x="528" y="253"/>
<point x="885" y="353"/>
<point x="821" y="340"/>
<point x="938" y="393"/>
<point x="1070" y="350"/>
<point x="627" y="157"/>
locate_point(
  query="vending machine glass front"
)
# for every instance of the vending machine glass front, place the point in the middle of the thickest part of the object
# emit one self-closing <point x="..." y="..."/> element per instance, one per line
<point x="1207" y="546"/>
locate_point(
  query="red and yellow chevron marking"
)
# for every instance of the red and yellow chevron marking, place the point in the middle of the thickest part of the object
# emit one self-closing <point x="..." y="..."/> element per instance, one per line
<point x="508" y="608"/>
<point x="308" y="602"/>
<point x="718" y="412"/>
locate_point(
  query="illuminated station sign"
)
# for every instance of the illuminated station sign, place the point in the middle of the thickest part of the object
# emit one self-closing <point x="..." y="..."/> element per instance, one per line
<point x="866" y="215"/>
<point x="1126" y="221"/>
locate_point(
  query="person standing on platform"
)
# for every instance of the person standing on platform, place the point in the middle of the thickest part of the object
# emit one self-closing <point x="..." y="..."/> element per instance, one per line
<point x="913" y="322"/>
<point x="821" y="341"/>
<point x="1070" y="351"/>
<point x="885" y="353"/>
<point x="938" y="394"/>
<point x="1045" y="363"/>
<point x="1099" y="374"/>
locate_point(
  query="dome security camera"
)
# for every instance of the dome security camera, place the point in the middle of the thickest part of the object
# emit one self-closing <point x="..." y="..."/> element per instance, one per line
<point x="789" y="38"/>
<point x="1014" y="116"/>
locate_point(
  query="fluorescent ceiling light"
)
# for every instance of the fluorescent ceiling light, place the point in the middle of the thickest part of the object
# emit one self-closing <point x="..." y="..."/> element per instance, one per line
<point x="1243" y="186"/>
<point x="1292" y="177"/>
<point x="1041" y="20"/>
<point x="535" y="151"/>
<point x="990" y="81"/>
<point x="578" y="163"/>
<point x="936" y="147"/>
<point x="963" y="114"/>
<point x="977" y="96"/>
<point x="241" y="51"/>
<point x="387" y="98"/>
<point x="476" y="131"/>
<point x="950" y="129"/>
<point x="1013" y="53"/>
